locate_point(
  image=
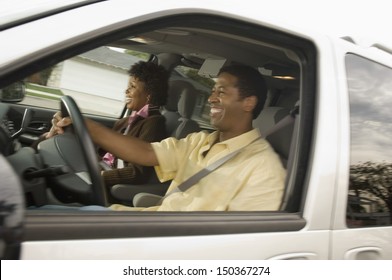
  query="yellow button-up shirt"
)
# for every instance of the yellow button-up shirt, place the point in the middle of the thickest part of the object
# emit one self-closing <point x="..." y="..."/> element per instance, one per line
<point x="251" y="180"/>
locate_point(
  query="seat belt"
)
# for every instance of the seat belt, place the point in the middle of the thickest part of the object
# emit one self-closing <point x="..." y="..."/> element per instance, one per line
<point x="283" y="122"/>
<point x="204" y="172"/>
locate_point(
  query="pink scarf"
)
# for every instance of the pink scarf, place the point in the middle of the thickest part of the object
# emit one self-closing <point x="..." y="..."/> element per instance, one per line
<point x="110" y="159"/>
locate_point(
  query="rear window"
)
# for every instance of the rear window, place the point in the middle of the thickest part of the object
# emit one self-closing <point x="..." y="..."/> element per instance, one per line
<point x="370" y="184"/>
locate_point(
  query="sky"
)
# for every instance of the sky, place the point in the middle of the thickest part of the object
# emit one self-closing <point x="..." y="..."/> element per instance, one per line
<point x="368" y="20"/>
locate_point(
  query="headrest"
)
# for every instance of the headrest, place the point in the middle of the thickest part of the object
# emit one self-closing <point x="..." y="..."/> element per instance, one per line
<point x="187" y="101"/>
<point x="173" y="95"/>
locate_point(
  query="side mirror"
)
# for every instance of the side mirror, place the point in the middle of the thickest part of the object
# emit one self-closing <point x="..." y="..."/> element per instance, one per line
<point x="13" y="93"/>
<point x="12" y="209"/>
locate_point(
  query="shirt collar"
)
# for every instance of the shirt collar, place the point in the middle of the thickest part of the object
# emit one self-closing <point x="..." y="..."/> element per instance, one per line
<point x="237" y="142"/>
<point x="143" y="112"/>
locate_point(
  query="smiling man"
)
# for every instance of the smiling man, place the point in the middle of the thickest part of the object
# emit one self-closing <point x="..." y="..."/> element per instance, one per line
<point x="252" y="180"/>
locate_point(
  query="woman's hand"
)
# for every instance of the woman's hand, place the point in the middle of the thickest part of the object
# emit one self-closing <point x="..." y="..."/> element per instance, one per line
<point x="58" y="123"/>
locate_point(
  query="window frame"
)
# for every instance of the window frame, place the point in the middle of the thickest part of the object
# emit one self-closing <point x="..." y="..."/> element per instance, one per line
<point x="60" y="225"/>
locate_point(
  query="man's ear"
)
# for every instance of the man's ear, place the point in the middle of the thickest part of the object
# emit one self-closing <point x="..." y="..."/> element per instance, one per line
<point x="250" y="103"/>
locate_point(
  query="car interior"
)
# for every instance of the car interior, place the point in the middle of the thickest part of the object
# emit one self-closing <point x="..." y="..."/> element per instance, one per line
<point x="64" y="171"/>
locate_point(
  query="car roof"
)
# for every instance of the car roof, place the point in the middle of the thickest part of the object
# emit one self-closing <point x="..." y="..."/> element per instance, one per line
<point x="15" y="12"/>
<point x="167" y="38"/>
<point x="195" y="42"/>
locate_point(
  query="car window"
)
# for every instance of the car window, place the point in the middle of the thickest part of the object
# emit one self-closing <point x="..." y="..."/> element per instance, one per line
<point x="96" y="79"/>
<point x="370" y="183"/>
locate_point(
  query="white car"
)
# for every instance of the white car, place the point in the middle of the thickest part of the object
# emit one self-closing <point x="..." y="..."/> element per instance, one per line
<point x="337" y="150"/>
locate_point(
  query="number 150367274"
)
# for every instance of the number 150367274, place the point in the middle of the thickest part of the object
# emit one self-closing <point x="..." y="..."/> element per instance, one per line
<point x="248" y="270"/>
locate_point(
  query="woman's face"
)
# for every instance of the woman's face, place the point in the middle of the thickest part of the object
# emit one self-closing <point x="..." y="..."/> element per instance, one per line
<point x="135" y="96"/>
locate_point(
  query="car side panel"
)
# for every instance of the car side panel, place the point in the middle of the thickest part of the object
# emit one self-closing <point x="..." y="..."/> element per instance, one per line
<point x="285" y="245"/>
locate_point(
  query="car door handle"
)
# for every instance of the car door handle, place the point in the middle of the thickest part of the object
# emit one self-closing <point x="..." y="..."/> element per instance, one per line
<point x="363" y="253"/>
<point x="38" y="127"/>
<point x="296" y="256"/>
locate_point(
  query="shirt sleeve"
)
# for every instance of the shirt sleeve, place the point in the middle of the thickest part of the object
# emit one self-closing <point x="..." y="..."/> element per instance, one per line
<point x="166" y="152"/>
<point x="151" y="129"/>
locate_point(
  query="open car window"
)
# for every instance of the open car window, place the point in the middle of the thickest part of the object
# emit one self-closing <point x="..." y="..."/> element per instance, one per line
<point x="96" y="79"/>
<point x="93" y="72"/>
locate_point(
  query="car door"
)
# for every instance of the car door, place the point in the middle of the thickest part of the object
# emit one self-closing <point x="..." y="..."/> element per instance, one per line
<point x="40" y="122"/>
<point x="293" y="232"/>
<point x="363" y="214"/>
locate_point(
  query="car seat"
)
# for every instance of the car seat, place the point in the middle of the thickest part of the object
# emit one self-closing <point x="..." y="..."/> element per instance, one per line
<point x="279" y="139"/>
<point x="178" y="110"/>
<point x="282" y="136"/>
<point x="186" y="105"/>
<point x="170" y="109"/>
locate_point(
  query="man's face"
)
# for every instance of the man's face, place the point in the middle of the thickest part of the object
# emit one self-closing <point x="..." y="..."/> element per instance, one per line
<point x="226" y="104"/>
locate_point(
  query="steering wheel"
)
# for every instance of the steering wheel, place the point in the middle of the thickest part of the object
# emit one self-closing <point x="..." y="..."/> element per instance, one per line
<point x="75" y="150"/>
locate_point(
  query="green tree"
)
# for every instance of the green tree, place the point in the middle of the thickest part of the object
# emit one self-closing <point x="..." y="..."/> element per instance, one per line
<point x="142" y="56"/>
<point x="373" y="180"/>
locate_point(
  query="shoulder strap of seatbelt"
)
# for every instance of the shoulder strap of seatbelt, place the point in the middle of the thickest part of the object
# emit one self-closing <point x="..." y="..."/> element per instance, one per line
<point x="283" y="122"/>
<point x="204" y="172"/>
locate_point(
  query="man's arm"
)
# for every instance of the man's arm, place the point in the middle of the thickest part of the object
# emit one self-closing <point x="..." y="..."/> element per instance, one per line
<point x="130" y="149"/>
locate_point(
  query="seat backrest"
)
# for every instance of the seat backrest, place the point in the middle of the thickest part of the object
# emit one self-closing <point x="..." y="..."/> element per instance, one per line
<point x="178" y="110"/>
<point x="170" y="109"/>
<point x="280" y="139"/>
<point x="186" y="105"/>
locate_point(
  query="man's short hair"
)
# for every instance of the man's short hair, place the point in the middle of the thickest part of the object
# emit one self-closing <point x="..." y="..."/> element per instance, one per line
<point x="250" y="82"/>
